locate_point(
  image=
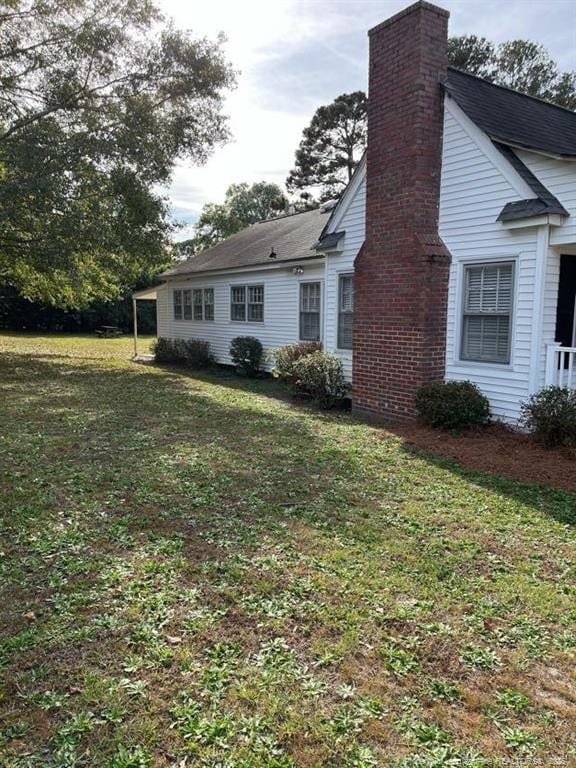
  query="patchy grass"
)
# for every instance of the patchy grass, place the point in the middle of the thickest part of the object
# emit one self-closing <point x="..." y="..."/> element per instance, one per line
<point x="196" y="573"/>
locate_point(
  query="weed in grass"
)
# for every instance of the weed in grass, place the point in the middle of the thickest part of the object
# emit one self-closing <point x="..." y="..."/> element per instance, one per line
<point x="477" y="657"/>
<point x="513" y="700"/>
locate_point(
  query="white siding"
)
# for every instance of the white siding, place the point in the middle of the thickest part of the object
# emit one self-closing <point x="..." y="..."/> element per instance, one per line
<point x="559" y="176"/>
<point x="473" y="192"/>
<point x="353" y="223"/>
<point x="281" y="308"/>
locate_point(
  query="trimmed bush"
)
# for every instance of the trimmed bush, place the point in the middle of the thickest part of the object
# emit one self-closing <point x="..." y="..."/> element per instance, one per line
<point x="246" y="353"/>
<point x="193" y="353"/>
<point x="286" y="357"/>
<point x="452" y="405"/>
<point x="550" y="415"/>
<point x="320" y="376"/>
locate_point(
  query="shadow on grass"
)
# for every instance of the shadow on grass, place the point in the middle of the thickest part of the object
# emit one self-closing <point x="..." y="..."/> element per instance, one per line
<point x="159" y="433"/>
<point x="558" y="504"/>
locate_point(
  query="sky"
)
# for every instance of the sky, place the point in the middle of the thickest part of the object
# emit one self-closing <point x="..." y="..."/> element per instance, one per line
<point x="294" y="55"/>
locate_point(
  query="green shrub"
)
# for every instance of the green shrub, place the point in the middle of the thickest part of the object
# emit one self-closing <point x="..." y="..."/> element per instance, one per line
<point x="452" y="405"/>
<point x="286" y="357"/>
<point x="193" y="353"/>
<point x="550" y="415"/>
<point x="246" y="353"/>
<point x="321" y="376"/>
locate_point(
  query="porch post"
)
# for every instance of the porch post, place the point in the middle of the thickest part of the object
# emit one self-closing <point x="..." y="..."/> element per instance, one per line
<point x="551" y="363"/>
<point x="135" y="319"/>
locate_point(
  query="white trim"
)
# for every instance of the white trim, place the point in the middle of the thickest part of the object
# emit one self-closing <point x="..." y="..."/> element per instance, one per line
<point x="320" y="281"/>
<point x="485" y="145"/>
<point x="246" y="285"/>
<point x="553" y="220"/>
<point x="542" y="242"/>
<point x="469" y="261"/>
<point x="348" y="195"/>
<point x="287" y="265"/>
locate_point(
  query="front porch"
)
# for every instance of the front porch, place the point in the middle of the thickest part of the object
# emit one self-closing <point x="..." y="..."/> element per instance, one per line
<point x="560" y="368"/>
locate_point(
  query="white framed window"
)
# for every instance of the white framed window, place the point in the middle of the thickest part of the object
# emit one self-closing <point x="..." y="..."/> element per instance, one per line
<point x="177" y="299"/>
<point x="247" y="303"/>
<point x="203" y="303"/>
<point x="345" y="311"/>
<point x="187" y="296"/>
<point x="487" y="312"/>
<point x="208" y="303"/>
<point x="310" y="304"/>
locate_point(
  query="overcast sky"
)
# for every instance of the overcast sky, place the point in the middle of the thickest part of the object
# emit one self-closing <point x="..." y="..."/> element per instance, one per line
<point x="294" y="55"/>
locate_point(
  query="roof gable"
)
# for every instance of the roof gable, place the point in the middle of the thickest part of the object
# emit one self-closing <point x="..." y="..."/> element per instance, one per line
<point x="513" y="118"/>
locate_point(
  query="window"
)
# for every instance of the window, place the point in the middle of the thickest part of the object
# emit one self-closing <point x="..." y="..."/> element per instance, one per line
<point x="238" y="303"/>
<point x="247" y="303"/>
<point x="198" y="304"/>
<point x="177" y="305"/>
<point x="208" y="303"/>
<point x="487" y="313"/>
<point x="345" y="311"/>
<point x="187" y="304"/>
<point x="310" y="311"/>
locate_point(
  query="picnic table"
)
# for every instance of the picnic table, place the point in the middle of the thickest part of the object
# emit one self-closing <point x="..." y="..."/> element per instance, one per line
<point x="108" y="332"/>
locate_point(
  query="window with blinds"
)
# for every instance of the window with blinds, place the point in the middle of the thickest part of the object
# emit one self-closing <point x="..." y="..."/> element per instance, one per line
<point x="310" y="298"/>
<point x="487" y="312"/>
<point x="345" y="311"/>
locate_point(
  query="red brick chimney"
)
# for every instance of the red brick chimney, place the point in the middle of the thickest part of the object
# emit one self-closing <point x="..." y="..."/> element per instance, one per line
<point x="401" y="272"/>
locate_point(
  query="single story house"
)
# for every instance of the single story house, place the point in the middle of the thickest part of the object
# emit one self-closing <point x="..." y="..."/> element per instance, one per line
<point x="450" y="255"/>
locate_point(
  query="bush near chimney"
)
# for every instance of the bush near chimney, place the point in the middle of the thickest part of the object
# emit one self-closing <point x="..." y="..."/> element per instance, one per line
<point x="452" y="405"/>
<point x="193" y="353"/>
<point x="320" y="376"/>
<point x="286" y="357"/>
<point x="246" y="353"/>
<point x="550" y="415"/>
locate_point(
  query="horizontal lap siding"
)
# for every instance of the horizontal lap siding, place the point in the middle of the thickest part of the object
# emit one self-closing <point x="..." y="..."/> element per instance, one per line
<point x="353" y="223"/>
<point x="559" y="176"/>
<point x="281" y="309"/>
<point x="473" y="192"/>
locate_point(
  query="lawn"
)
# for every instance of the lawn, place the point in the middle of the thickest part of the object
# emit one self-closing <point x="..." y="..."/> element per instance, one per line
<point x="197" y="572"/>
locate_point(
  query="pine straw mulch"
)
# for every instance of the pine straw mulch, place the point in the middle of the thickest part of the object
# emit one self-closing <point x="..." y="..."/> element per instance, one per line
<point x="496" y="449"/>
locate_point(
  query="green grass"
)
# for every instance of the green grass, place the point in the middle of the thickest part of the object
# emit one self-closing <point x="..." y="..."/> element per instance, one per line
<point x="196" y="572"/>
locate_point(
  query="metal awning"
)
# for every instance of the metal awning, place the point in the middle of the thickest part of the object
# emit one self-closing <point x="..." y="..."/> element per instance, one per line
<point x="146" y="293"/>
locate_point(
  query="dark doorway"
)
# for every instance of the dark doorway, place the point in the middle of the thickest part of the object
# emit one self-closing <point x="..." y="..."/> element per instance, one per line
<point x="566" y="299"/>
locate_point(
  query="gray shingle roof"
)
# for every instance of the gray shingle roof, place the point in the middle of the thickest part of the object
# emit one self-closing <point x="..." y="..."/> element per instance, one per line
<point x="544" y="202"/>
<point x="290" y="237"/>
<point x="513" y="118"/>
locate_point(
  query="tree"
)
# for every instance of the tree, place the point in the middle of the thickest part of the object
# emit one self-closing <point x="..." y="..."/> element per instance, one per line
<point x="522" y="65"/>
<point x="331" y="147"/>
<point x="99" y="98"/>
<point x="243" y="205"/>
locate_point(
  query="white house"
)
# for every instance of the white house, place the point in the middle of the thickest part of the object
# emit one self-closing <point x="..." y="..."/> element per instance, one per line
<point x="452" y="253"/>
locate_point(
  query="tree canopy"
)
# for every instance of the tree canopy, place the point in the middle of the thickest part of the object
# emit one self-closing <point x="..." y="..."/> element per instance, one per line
<point x="99" y="98"/>
<point x="244" y="204"/>
<point x="333" y="143"/>
<point x="522" y="65"/>
<point x="330" y="148"/>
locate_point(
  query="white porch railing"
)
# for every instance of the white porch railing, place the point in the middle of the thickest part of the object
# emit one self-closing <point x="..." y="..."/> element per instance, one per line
<point x="560" y="366"/>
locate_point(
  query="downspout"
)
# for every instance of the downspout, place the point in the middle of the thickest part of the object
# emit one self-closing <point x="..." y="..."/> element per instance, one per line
<point x="536" y="342"/>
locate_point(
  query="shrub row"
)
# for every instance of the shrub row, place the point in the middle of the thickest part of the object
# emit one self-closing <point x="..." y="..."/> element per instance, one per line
<point x="550" y="414"/>
<point x="193" y="353"/>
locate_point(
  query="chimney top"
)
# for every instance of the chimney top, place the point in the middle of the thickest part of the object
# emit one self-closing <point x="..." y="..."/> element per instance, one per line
<point x="419" y="5"/>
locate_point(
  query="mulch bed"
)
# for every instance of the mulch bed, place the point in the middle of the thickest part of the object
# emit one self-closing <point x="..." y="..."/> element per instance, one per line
<point x="498" y="450"/>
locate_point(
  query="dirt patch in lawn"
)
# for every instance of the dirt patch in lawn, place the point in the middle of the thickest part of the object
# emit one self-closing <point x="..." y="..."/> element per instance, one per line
<point x="498" y="450"/>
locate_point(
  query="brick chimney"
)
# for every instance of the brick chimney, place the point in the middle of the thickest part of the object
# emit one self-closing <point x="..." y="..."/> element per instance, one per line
<point x="401" y="272"/>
